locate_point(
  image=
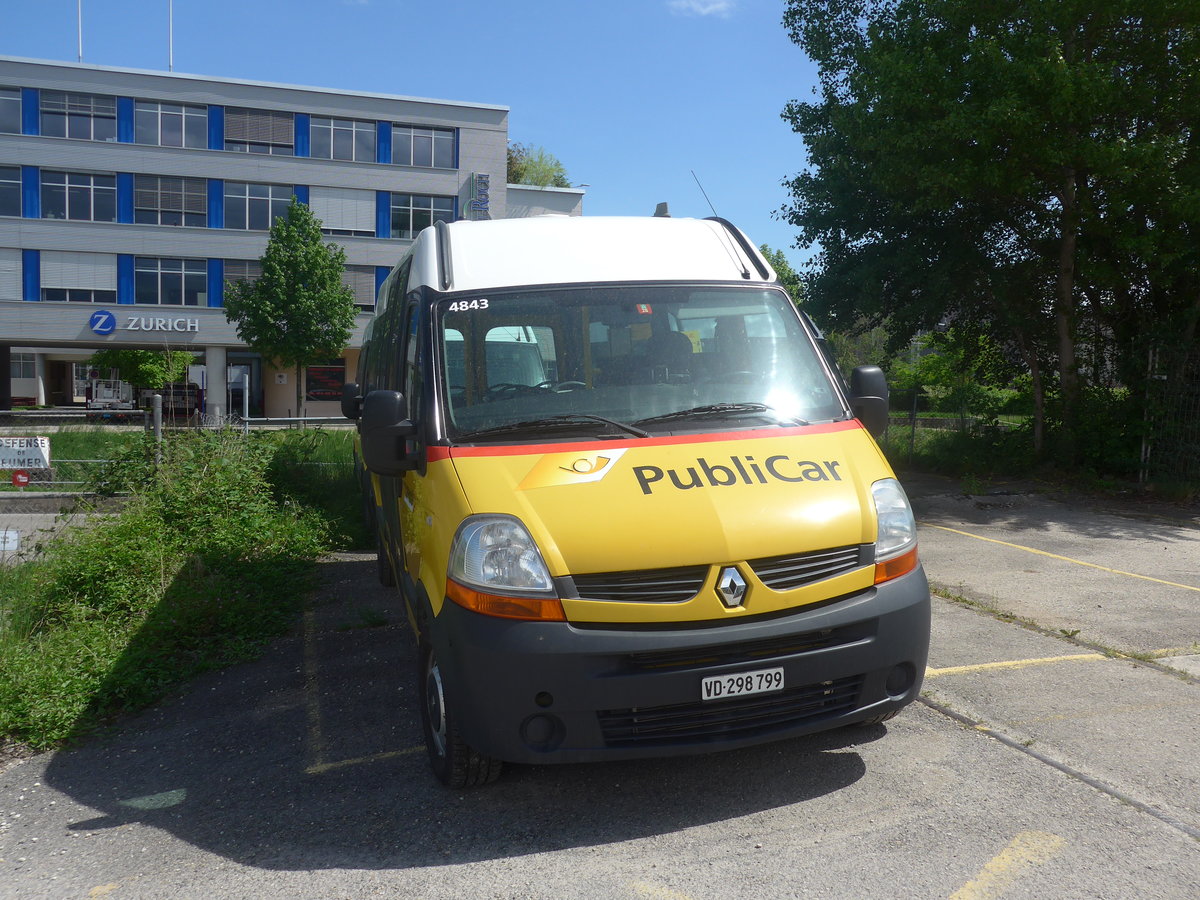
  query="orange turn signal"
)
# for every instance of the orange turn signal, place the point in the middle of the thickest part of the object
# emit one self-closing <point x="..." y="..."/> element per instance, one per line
<point x="544" y="609"/>
<point x="895" y="567"/>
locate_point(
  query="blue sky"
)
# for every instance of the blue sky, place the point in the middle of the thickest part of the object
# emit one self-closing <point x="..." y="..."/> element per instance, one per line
<point x="631" y="95"/>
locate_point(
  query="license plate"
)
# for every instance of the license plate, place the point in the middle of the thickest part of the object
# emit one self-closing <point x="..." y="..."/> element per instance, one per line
<point x="739" y="684"/>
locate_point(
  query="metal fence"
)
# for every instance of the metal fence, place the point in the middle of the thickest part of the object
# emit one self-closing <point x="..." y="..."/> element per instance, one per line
<point x="915" y="423"/>
<point x="63" y="475"/>
<point x="1171" y="446"/>
<point x="1163" y="417"/>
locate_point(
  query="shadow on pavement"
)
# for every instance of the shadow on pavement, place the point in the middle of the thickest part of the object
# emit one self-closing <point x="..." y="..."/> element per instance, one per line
<point x="310" y="758"/>
<point x="1020" y="506"/>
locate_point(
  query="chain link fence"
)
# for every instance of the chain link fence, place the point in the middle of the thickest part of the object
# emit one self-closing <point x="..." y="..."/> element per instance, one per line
<point x="1171" y="446"/>
<point x="1160" y="420"/>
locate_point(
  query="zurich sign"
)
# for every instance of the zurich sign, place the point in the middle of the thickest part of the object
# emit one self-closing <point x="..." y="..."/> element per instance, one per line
<point x="103" y="322"/>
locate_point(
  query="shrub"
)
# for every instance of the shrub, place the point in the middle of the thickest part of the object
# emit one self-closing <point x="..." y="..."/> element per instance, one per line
<point x="205" y="562"/>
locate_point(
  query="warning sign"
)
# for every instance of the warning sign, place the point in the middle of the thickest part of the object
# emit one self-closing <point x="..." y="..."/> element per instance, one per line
<point x="24" y="452"/>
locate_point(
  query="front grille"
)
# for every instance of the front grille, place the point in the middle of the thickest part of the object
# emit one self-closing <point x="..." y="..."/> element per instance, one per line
<point x="751" y="651"/>
<point x="721" y="720"/>
<point x="784" y="573"/>
<point x="646" y="586"/>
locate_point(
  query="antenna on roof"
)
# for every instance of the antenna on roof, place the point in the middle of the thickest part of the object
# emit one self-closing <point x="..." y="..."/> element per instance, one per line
<point x="729" y="231"/>
<point x="706" y="200"/>
<point x="661" y="211"/>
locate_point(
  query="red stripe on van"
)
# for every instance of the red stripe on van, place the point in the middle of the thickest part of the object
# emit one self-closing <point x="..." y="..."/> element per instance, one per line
<point x="434" y="454"/>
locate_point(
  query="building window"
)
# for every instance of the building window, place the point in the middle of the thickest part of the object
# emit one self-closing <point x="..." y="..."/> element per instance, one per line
<point x="10" y="190"/>
<point x="86" y="117"/>
<point x="171" y="125"/>
<point x="254" y="207"/>
<point x="170" y="282"/>
<point x="259" y="131"/>
<point x="243" y="270"/>
<point x="22" y="365"/>
<point x="361" y="280"/>
<point x="412" y="146"/>
<point x="78" y="295"/>
<point x="167" y="200"/>
<point x="342" y="139"/>
<point x="343" y="211"/>
<point x="10" y="111"/>
<point x="79" y="196"/>
<point x="412" y="212"/>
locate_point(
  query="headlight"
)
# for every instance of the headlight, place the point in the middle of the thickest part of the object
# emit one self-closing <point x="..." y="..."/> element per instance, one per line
<point x="897" y="527"/>
<point x="496" y="554"/>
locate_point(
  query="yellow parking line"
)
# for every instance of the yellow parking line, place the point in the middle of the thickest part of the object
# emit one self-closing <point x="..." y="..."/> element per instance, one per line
<point x="1079" y="562"/>
<point x="1013" y="664"/>
<point x="320" y="768"/>
<point x="1028" y="849"/>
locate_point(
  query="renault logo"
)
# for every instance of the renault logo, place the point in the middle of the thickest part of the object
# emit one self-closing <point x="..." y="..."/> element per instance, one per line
<point x="732" y="588"/>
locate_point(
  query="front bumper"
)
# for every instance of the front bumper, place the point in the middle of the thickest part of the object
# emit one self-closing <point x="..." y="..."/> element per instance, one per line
<point x="539" y="692"/>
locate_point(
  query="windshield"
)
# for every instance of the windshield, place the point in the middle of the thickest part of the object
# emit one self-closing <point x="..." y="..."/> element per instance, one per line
<point x="602" y="360"/>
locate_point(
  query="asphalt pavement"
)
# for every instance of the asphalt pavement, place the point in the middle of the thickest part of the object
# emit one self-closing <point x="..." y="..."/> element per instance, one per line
<point x="1053" y="754"/>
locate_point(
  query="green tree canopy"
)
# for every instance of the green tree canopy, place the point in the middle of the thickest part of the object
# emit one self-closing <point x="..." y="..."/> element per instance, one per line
<point x="298" y="312"/>
<point x="1029" y="170"/>
<point x="144" y="368"/>
<point x="788" y="276"/>
<point x="536" y="166"/>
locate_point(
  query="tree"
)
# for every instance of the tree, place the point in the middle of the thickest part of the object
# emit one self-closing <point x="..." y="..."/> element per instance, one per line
<point x="144" y="368"/>
<point x="536" y="166"/>
<point x="786" y="274"/>
<point x="1028" y="170"/>
<point x="299" y="311"/>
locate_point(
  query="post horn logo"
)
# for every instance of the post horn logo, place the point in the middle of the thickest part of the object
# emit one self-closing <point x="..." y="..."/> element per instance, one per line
<point x="557" y="469"/>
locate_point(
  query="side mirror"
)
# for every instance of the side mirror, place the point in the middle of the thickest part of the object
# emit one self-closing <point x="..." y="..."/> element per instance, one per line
<point x="351" y="401"/>
<point x="869" y="398"/>
<point x="384" y="433"/>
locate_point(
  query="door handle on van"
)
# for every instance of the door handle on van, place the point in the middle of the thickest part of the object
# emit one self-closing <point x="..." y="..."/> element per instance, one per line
<point x="869" y="398"/>
<point x="385" y="432"/>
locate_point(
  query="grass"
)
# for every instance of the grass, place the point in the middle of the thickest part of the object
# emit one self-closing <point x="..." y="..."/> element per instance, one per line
<point x="210" y="557"/>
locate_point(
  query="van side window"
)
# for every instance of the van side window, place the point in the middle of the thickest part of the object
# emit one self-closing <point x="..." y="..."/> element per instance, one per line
<point x="411" y="380"/>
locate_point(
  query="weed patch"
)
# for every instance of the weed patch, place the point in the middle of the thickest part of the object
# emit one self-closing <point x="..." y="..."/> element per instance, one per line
<point x="207" y="560"/>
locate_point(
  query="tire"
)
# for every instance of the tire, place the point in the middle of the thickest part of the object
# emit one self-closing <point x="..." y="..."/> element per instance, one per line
<point x="368" y="506"/>
<point x="880" y="719"/>
<point x="455" y="763"/>
<point x="383" y="565"/>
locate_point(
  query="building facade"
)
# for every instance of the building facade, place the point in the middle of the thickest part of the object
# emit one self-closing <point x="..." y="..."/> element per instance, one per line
<point x="129" y="199"/>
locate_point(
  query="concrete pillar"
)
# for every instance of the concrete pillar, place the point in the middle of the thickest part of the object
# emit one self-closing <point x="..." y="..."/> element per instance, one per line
<point x="5" y="376"/>
<point x="214" y="377"/>
<point x="39" y="373"/>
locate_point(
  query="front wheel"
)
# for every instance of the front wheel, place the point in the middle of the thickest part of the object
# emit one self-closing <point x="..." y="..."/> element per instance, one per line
<point x="880" y="718"/>
<point x="383" y="563"/>
<point x="455" y="763"/>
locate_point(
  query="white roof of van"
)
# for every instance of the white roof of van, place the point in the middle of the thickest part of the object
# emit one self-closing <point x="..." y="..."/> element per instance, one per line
<point x="581" y="249"/>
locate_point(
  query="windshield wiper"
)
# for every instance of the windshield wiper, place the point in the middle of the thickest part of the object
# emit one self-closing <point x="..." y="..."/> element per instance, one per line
<point x="552" y="422"/>
<point x="723" y="410"/>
